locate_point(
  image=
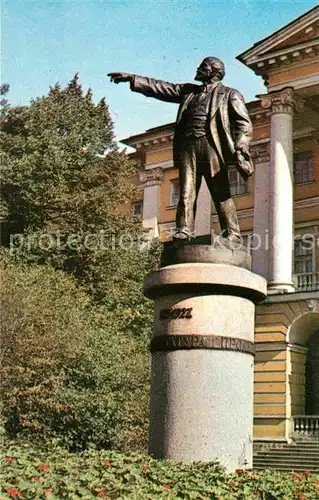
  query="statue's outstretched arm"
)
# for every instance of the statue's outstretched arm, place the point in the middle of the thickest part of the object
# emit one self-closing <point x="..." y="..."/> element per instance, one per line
<point x="164" y="91"/>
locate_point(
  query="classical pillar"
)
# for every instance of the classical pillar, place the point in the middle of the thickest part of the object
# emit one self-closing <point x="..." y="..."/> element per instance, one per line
<point x="259" y="243"/>
<point x="151" y="183"/>
<point x="281" y="104"/>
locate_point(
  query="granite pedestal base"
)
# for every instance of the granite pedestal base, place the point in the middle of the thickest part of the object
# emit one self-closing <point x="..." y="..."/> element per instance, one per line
<point x="201" y="406"/>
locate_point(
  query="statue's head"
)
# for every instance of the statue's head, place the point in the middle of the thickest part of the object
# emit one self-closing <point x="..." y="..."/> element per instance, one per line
<point x="211" y="68"/>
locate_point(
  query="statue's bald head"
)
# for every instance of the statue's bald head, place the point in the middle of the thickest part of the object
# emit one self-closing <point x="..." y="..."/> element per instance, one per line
<point x="210" y="68"/>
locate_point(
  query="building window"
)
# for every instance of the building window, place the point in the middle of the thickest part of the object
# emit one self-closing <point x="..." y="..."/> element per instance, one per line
<point x="303" y="167"/>
<point x="303" y="255"/>
<point x="137" y="208"/>
<point x="174" y="193"/>
<point x="236" y="183"/>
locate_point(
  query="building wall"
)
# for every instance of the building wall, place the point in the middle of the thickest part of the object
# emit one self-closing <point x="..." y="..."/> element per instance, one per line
<point x="279" y="382"/>
<point x="167" y="212"/>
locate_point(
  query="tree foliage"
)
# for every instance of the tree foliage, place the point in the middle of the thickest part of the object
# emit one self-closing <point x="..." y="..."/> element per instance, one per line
<point x="68" y="370"/>
<point x="64" y="189"/>
<point x="75" y="362"/>
<point x="60" y="162"/>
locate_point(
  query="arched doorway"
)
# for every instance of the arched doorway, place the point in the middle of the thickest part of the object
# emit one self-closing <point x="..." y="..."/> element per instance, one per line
<point x="312" y="375"/>
<point x="303" y="376"/>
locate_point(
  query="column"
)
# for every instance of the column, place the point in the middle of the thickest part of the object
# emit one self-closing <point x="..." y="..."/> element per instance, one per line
<point x="201" y="402"/>
<point x="151" y="183"/>
<point x="280" y="262"/>
<point x="259" y="242"/>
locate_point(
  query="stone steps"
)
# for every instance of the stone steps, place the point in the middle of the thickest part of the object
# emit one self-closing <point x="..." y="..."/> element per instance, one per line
<point x="300" y="456"/>
<point x="287" y="454"/>
<point x="286" y="467"/>
<point x="292" y="450"/>
<point x="289" y="461"/>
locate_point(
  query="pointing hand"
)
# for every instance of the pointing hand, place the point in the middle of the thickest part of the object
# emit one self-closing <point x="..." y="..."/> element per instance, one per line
<point x="119" y="77"/>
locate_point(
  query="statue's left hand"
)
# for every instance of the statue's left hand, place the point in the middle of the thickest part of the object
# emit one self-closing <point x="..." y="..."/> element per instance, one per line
<point x="242" y="151"/>
<point x="243" y="162"/>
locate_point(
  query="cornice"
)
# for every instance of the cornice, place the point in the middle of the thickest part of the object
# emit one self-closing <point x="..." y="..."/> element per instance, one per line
<point x="291" y="297"/>
<point x="270" y="346"/>
<point x="313" y="223"/>
<point x="297" y="348"/>
<point x="261" y="118"/>
<point x="146" y="144"/>
<point x="249" y="212"/>
<point x="167" y="226"/>
<point x="273" y="61"/>
<point x="160" y="164"/>
<point x="260" y="153"/>
<point x="307" y="202"/>
<point x="306" y="23"/>
<point x="293" y="63"/>
<point x="299" y="135"/>
<point x="270" y="56"/>
<point x="241" y="214"/>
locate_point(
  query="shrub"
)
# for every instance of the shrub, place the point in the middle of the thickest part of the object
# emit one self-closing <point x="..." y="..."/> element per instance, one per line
<point x="42" y="331"/>
<point x="67" y="370"/>
<point x="54" y="474"/>
<point x="75" y="364"/>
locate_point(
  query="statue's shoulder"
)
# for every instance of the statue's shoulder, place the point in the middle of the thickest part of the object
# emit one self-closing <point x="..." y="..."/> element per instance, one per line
<point x="231" y="92"/>
<point x="228" y="90"/>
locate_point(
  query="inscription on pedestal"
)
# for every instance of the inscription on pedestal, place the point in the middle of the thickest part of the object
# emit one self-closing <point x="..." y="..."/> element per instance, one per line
<point x="177" y="342"/>
<point x="177" y="313"/>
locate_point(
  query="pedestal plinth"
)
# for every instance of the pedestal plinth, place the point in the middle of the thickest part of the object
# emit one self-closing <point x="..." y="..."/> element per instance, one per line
<point x="202" y="362"/>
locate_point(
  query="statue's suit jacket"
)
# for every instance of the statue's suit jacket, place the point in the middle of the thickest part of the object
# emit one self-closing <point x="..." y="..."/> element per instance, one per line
<point x="230" y="125"/>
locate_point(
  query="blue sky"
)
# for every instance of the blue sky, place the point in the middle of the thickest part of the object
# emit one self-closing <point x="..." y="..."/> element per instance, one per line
<point x="45" y="42"/>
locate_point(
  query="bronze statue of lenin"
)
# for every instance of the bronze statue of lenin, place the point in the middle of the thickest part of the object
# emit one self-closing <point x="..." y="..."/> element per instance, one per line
<point x="213" y="130"/>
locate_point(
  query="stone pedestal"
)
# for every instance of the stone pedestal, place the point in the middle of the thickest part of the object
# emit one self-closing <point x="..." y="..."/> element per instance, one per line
<point x="202" y="361"/>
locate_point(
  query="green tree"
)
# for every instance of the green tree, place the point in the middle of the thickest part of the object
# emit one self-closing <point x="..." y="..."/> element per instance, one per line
<point x="60" y="162"/>
<point x="64" y="188"/>
<point x="68" y="371"/>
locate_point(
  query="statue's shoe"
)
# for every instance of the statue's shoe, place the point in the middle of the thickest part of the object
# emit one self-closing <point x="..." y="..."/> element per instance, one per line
<point x="235" y="241"/>
<point x="181" y="235"/>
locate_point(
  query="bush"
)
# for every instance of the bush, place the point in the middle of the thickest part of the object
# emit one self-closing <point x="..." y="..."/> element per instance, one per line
<point x="75" y="364"/>
<point x="54" y="474"/>
<point x="109" y="391"/>
<point x="67" y="371"/>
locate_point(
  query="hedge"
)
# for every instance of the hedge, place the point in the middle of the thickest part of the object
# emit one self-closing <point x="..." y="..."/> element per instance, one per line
<point x="55" y="473"/>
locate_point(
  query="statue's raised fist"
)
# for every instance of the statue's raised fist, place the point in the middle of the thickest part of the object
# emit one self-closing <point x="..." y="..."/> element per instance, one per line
<point x="117" y="77"/>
